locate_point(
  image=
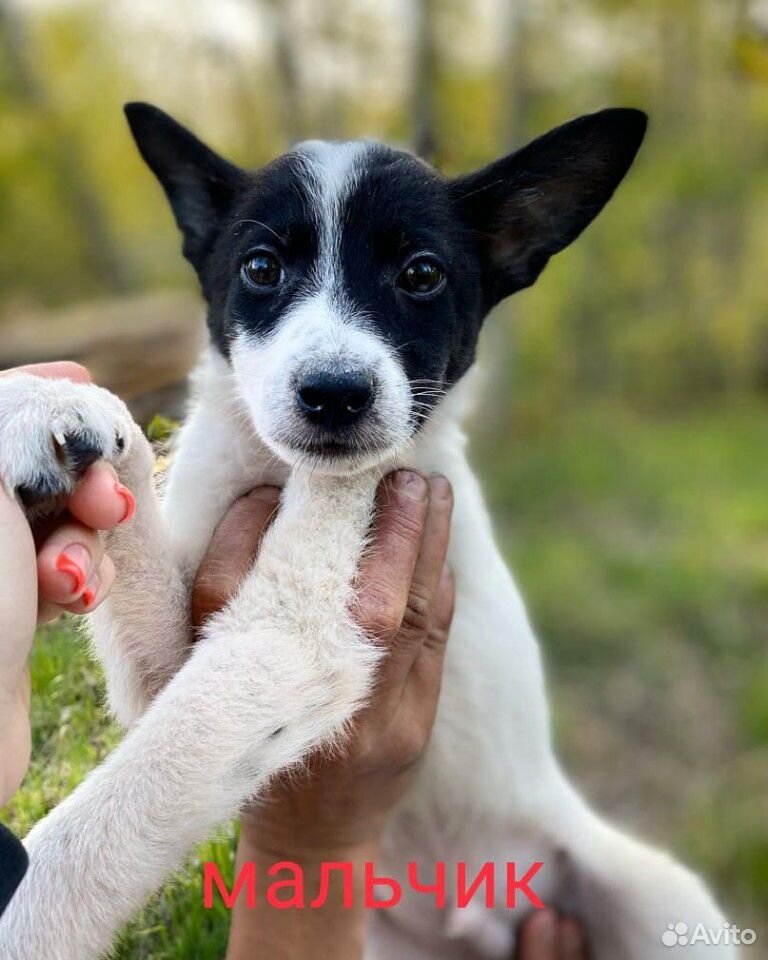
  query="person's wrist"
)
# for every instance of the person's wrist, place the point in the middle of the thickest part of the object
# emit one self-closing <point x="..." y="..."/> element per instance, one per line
<point x="310" y="835"/>
<point x="274" y="845"/>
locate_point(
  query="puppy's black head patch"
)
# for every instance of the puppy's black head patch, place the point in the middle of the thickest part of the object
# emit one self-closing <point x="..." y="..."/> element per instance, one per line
<point x="415" y="258"/>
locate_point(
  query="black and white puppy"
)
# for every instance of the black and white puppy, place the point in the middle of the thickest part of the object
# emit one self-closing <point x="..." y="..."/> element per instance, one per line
<point x="346" y="286"/>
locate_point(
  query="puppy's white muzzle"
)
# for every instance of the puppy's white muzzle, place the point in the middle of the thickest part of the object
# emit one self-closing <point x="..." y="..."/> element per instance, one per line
<point x="322" y="388"/>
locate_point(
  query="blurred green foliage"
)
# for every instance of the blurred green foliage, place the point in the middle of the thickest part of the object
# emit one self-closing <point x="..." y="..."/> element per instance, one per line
<point x="625" y="451"/>
<point x="662" y="301"/>
<point x="160" y="429"/>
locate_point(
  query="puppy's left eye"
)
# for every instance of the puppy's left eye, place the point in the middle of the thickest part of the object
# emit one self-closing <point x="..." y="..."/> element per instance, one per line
<point x="262" y="270"/>
<point x="421" y="276"/>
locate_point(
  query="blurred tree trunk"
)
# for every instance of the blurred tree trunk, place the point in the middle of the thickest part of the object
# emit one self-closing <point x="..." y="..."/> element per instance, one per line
<point x="289" y="78"/>
<point x="503" y="338"/>
<point x="425" y="78"/>
<point x="101" y="245"/>
<point x="680" y="113"/>
<point x="514" y="69"/>
<point x="336" y="29"/>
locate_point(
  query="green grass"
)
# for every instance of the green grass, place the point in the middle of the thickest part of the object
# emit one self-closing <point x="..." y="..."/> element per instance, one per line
<point x="642" y="548"/>
<point x="641" y="545"/>
<point x="71" y="734"/>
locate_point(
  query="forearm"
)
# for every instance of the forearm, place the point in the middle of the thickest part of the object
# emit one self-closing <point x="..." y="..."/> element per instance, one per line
<point x="15" y="737"/>
<point x="18" y="611"/>
<point x="327" y="932"/>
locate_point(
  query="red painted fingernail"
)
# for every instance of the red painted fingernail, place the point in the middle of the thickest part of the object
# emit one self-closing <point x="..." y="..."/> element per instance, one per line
<point x="129" y="499"/>
<point x="88" y="598"/>
<point x="73" y="561"/>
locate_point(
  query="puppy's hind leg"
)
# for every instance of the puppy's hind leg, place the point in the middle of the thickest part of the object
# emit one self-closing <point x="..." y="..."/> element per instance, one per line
<point x="629" y="894"/>
<point x="142" y="631"/>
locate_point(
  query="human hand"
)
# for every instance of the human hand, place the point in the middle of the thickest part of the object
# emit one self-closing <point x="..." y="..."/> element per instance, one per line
<point x="546" y="936"/>
<point x="59" y="565"/>
<point x="404" y="600"/>
<point x="337" y="810"/>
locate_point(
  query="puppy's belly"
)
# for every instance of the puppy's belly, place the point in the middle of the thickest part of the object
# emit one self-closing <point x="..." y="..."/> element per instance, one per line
<point x="477" y="930"/>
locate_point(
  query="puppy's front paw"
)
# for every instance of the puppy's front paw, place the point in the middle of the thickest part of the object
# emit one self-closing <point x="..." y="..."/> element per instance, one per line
<point x="51" y="431"/>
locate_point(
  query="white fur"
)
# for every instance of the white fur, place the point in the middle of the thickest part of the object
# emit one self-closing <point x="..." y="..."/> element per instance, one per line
<point x="330" y="174"/>
<point x="36" y="417"/>
<point x="284" y="657"/>
<point x="314" y="335"/>
<point x="206" y="744"/>
<point x="282" y="669"/>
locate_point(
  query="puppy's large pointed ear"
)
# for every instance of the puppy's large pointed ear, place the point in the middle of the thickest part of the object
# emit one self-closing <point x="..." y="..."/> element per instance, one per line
<point x="528" y="206"/>
<point x="201" y="186"/>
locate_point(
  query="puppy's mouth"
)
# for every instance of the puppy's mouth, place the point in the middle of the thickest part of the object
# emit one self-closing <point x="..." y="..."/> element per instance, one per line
<point x="334" y="453"/>
<point x="331" y="448"/>
<point x="338" y="453"/>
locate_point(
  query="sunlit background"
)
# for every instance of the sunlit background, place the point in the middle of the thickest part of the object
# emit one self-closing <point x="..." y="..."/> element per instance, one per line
<point x="623" y="439"/>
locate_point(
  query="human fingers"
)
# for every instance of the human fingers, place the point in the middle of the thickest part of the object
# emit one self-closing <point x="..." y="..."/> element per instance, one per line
<point x="443" y="612"/>
<point x="60" y="369"/>
<point x="572" y="941"/>
<point x="231" y="553"/>
<point x="18" y="590"/>
<point x="100" y="500"/>
<point x="385" y="575"/>
<point x="96" y="590"/>
<point x="425" y="584"/>
<point x="422" y="686"/>
<point x="538" y="937"/>
<point x="66" y="563"/>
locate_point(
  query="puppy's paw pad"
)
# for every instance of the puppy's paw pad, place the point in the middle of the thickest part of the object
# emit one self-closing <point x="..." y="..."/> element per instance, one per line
<point x="77" y="451"/>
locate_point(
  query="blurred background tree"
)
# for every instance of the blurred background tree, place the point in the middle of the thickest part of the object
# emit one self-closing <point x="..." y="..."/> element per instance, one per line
<point x="661" y="302"/>
<point x="625" y="452"/>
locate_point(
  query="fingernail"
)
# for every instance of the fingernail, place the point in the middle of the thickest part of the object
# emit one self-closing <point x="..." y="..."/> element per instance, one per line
<point x="128" y="499"/>
<point x="75" y="561"/>
<point x="440" y="487"/>
<point x="411" y="484"/>
<point x="268" y="494"/>
<point x="88" y="599"/>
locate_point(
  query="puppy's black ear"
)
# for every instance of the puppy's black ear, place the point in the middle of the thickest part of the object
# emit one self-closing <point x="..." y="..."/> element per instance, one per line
<point x="528" y="206"/>
<point x="200" y="185"/>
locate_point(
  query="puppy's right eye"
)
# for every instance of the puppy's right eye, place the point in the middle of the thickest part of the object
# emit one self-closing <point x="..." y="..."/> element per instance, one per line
<point x="262" y="270"/>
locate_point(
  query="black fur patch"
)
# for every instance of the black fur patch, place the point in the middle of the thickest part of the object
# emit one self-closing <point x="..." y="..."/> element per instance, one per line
<point x="399" y="208"/>
<point x="493" y="230"/>
<point x="273" y="212"/>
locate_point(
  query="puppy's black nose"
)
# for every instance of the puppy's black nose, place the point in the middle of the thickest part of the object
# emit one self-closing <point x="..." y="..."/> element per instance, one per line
<point x="334" y="400"/>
